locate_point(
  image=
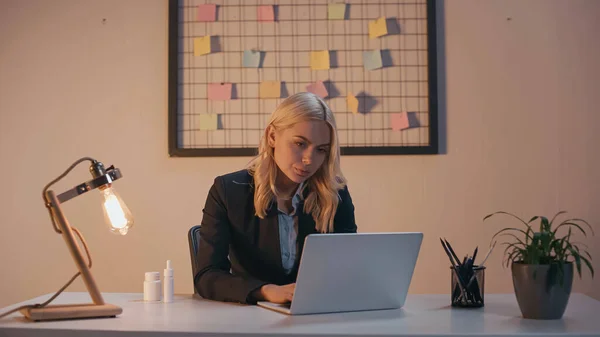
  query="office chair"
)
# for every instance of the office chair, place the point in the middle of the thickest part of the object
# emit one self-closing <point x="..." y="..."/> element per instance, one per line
<point x="193" y="240"/>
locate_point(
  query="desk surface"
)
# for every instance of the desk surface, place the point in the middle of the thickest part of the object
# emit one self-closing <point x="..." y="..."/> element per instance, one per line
<point x="422" y="315"/>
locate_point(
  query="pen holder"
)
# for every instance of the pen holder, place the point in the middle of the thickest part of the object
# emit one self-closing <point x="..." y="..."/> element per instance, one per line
<point x="467" y="289"/>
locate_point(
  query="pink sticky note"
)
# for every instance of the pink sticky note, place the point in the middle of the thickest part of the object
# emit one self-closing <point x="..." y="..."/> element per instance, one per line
<point x="207" y="13"/>
<point x="265" y="13"/>
<point x="317" y="88"/>
<point x="399" y="121"/>
<point x="219" y="91"/>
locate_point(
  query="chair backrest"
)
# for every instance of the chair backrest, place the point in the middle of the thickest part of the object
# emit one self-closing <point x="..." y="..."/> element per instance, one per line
<point x="194" y="239"/>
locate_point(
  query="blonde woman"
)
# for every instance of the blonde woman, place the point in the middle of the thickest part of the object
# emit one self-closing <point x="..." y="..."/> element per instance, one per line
<point x="256" y="220"/>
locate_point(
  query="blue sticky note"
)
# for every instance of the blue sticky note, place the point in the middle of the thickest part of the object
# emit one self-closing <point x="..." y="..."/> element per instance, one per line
<point x="372" y="59"/>
<point x="251" y="58"/>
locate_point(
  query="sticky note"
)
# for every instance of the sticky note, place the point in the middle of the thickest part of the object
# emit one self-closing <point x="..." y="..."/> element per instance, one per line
<point x="399" y="121"/>
<point x="336" y="11"/>
<point x="372" y="59"/>
<point x="207" y="13"/>
<point x="208" y="121"/>
<point x="265" y="13"/>
<point x="219" y="91"/>
<point x="251" y="58"/>
<point x="202" y="45"/>
<point x="352" y="103"/>
<point x="378" y="28"/>
<point x="318" y="88"/>
<point x="319" y="60"/>
<point x="270" y="89"/>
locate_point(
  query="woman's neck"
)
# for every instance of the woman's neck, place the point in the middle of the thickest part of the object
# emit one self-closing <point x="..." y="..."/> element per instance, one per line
<point x="285" y="186"/>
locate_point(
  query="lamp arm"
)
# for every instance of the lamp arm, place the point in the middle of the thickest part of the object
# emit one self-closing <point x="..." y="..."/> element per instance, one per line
<point x="44" y="195"/>
<point x="106" y="178"/>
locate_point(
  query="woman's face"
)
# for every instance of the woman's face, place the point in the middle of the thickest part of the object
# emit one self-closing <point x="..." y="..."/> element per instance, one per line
<point x="300" y="150"/>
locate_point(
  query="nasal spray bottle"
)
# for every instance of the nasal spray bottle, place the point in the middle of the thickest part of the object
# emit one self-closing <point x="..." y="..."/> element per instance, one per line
<point x="168" y="283"/>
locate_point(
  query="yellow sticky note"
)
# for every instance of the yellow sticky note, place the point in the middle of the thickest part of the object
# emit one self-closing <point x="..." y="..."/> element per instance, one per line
<point x="319" y="60"/>
<point x="270" y="89"/>
<point x="378" y="28"/>
<point x="336" y="11"/>
<point x="208" y="122"/>
<point x="202" y="45"/>
<point x="352" y="103"/>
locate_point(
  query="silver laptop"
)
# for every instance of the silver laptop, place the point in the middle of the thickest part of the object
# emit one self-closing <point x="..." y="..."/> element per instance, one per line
<point x="353" y="272"/>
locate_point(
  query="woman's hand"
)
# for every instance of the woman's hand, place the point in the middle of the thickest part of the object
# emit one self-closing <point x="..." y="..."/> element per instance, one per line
<point x="278" y="294"/>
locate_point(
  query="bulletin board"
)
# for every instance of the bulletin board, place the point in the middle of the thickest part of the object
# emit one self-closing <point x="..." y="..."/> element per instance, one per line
<point x="231" y="62"/>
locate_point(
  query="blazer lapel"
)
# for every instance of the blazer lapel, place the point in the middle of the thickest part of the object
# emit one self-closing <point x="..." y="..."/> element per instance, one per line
<point x="306" y="226"/>
<point x="270" y="236"/>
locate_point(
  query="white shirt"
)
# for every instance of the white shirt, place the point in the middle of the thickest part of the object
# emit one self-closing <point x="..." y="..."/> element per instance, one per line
<point x="288" y="232"/>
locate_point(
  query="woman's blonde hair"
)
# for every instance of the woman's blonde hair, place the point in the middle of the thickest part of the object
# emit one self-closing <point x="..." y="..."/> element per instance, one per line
<point x="322" y="199"/>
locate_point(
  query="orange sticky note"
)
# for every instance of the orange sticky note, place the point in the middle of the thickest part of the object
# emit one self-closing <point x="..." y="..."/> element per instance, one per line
<point x="270" y="89"/>
<point x="318" y="88"/>
<point x="319" y="60"/>
<point x="378" y="28"/>
<point x="207" y="13"/>
<point x="265" y="13"/>
<point x="219" y="91"/>
<point x="202" y="45"/>
<point x="352" y="103"/>
<point x="399" y="121"/>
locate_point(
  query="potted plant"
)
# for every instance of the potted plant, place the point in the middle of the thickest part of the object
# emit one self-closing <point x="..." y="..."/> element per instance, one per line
<point x="542" y="263"/>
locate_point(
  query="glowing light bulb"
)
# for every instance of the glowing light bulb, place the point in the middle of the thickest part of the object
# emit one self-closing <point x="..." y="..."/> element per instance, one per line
<point x="116" y="214"/>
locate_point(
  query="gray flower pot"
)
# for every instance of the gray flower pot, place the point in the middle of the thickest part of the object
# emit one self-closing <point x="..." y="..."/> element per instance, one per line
<point x="539" y="290"/>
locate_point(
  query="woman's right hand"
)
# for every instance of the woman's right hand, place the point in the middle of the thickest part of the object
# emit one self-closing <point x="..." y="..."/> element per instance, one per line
<point x="278" y="294"/>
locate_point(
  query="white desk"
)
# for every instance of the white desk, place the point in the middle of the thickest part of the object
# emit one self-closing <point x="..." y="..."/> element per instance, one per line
<point x="423" y="315"/>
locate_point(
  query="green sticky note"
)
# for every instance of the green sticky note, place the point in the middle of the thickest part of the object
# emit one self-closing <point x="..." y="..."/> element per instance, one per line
<point x="336" y="11"/>
<point x="372" y="59"/>
<point x="251" y="59"/>
<point x="208" y="122"/>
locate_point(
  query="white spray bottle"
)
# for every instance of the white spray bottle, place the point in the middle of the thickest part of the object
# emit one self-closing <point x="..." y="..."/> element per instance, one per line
<point x="168" y="283"/>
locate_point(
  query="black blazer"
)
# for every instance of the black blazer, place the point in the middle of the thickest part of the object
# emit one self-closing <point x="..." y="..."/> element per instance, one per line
<point x="238" y="252"/>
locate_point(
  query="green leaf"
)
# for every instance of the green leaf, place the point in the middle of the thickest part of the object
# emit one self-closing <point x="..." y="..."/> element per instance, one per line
<point x="544" y="224"/>
<point x="579" y="243"/>
<point x="513" y="245"/>
<point x="506" y="213"/>
<point x="589" y="265"/>
<point x="588" y="254"/>
<point x="557" y="214"/>
<point x="579" y="220"/>
<point x="565" y="223"/>
<point x="510" y="229"/>
<point x="558" y="246"/>
<point x="514" y="236"/>
<point x="513" y="257"/>
<point x="577" y="257"/>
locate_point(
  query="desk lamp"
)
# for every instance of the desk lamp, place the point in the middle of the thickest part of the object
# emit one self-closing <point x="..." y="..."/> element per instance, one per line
<point x="119" y="219"/>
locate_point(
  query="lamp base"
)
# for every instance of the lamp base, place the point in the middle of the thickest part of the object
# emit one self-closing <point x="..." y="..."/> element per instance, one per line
<point x="71" y="311"/>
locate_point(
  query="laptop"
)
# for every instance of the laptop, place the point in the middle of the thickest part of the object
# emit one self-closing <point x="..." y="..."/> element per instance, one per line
<point x="353" y="272"/>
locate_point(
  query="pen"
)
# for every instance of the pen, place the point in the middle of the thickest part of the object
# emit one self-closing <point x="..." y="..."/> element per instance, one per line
<point x="482" y="263"/>
<point x="455" y="268"/>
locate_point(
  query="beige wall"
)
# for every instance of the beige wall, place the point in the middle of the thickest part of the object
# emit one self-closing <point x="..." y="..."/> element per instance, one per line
<point x="520" y="128"/>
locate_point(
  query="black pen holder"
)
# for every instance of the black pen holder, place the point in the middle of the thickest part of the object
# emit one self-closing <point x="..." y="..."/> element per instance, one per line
<point x="467" y="287"/>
